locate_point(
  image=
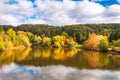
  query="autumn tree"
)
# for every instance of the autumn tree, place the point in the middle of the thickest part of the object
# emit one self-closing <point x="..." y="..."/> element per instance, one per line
<point x="116" y="43"/>
<point x="25" y="40"/>
<point x="58" y="41"/>
<point x="46" y="41"/>
<point x="11" y="33"/>
<point x="72" y="42"/>
<point x="2" y="44"/>
<point x="93" y="42"/>
<point x="7" y="41"/>
<point x="104" y="44"/>
<point x="36" y="39"/>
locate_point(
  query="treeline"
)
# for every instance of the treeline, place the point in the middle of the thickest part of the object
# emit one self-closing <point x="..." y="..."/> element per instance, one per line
<point x="110" y="30"/>
<point x="93" y="36"/>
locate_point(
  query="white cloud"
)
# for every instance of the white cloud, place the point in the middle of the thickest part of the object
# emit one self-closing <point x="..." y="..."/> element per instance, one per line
<point x="87" y="12"/>
<point x="9" y="19"/>
<point x="114" y="10"/>
<point x="35" y="21"/>
<point x="118" y="1"/>
<point x="15" y="13"/>
<point x="58" y="12"/>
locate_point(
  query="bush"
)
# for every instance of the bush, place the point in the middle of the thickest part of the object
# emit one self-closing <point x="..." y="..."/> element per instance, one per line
<point x="116" y="43"/>
<point x="72" y="43"/>
<point x="103" y="46"/>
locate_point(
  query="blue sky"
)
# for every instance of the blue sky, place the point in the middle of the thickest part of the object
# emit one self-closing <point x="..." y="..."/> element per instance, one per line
<point x="102" y="2"/>
<point x="59" y="12"/>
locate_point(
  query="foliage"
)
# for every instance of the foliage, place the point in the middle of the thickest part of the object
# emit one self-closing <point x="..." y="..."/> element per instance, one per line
<point x="10" y="39"/>
<point x="11" y="33"/>
<point x="1" y="29"/>
<point x="36" y="39"/>
<point x="94" y="41"/>
<point x="9" y="44"/>
<point x="116" y="43"/>
<point x="80" y="33"/>
<point x="104" y="44"/>
<point x="80" y="38"/>
<point x="25" y="40"/>
<point x="58" y="41"/>
<point x="46" y="41"/>
<point x="115" y="35"/>
<point x="64" y="34"/>
<point x="2" y="44"/>
<point x="72" y="42"/>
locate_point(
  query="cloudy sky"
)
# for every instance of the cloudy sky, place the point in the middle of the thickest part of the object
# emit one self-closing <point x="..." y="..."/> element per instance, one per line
<point x="59" y="12"/>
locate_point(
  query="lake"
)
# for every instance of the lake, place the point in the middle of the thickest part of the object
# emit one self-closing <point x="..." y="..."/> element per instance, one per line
<point x="38" y="63"/>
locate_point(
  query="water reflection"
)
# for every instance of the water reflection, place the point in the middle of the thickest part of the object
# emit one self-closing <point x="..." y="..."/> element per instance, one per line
<point x="13" y="55"/>
<point x="16" y="72"/>
<point x="92" y="58"/>
<point x="37" y="56"/>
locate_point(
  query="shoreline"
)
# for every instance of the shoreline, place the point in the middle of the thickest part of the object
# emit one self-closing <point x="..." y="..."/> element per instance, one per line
<point x="15" y="48"/>
<point x="114" y="52"/>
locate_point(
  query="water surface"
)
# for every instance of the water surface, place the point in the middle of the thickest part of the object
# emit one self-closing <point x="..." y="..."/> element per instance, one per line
<point x="58" y="64"/>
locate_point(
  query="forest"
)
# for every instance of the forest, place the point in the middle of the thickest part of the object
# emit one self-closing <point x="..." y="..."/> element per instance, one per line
<point x="99" y="37"/>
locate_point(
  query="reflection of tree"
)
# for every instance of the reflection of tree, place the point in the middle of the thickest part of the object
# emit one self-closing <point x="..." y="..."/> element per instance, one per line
<point x="116" y="59"/>
<point x="46" y="53"/>
<point x="71" y="53"/>
<point x="24" y="54"/>
<point x="7" y="57"/>
<point x="58" y="54"/>
<point x="61" y="54"/>
<point x="92" y="57"/>
<point x="36" y="53"/>
<point x="38" y="56"/>
<point x="13" y="55"/>
<point x="104" y="59"/>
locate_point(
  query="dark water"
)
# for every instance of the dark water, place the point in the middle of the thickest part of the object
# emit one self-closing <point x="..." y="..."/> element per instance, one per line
<point x="58" y="64"/>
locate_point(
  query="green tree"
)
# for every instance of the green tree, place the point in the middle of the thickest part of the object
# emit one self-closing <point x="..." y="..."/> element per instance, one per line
<point x="65" y="34"/>
<point x="104" y="44"/>
<point x="79" y="37"/>
<point x="115" y="35"/>
<point x="1" y="28"/>
<point x="72" y="42"/>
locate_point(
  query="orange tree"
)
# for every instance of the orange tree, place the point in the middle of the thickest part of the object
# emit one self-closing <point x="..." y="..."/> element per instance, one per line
<point x="93" y="42"/>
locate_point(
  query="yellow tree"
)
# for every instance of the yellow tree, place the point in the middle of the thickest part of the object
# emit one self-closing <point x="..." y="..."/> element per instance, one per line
<point x="11" y="33"/>
<point x="2" y="44"/>
<point x="7" y="41"/>
<point x="46" y="41"/>
<point x="58" y="41"/>
<point x="25" y="40"/>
